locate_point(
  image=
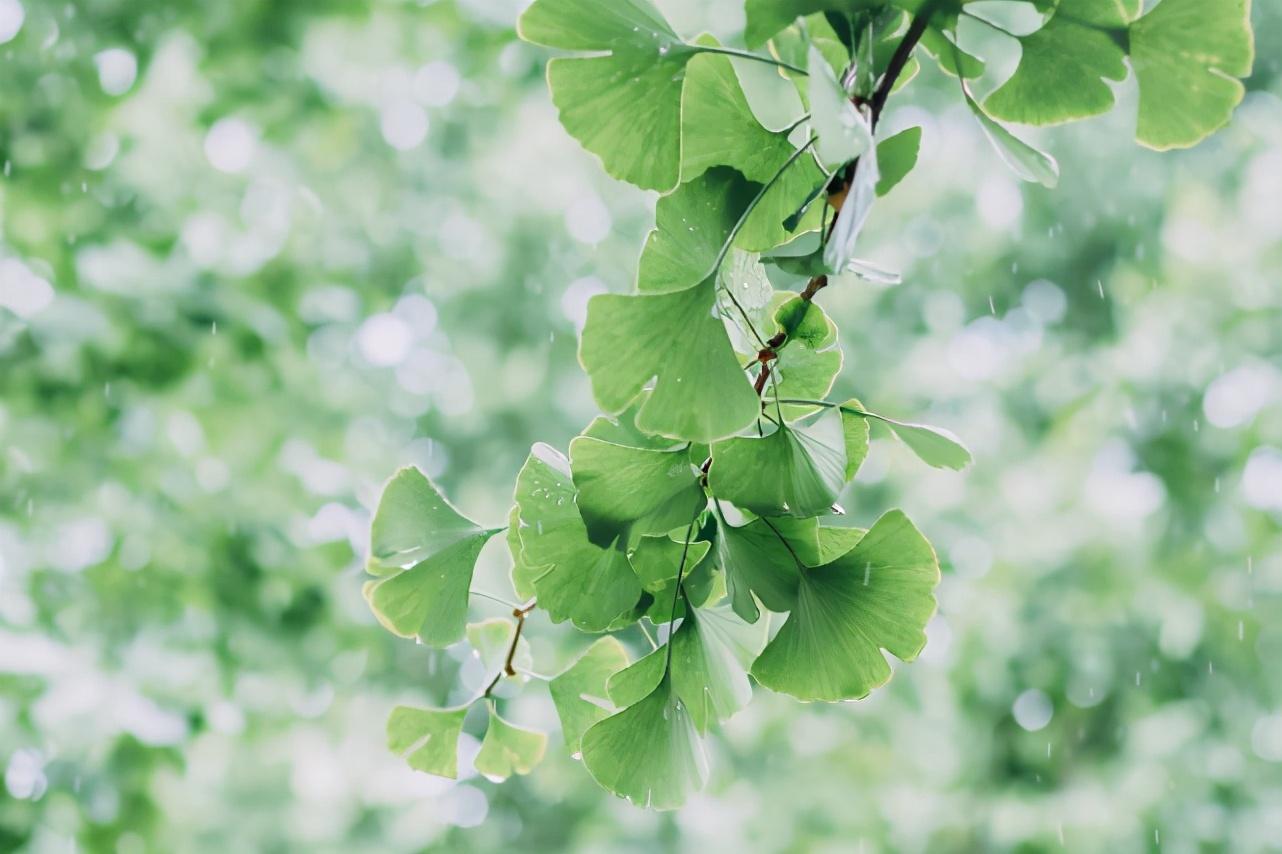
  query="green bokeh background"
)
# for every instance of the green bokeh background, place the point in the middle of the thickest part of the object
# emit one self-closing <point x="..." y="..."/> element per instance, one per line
<point x="255" y="256"/>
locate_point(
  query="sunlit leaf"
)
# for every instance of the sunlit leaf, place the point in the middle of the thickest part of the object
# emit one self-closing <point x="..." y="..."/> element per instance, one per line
<point x="843" y="134"/>
<point x="584" y="583"/>
<point x="623" y="106"/>
<point x="427" y="738"/>
<point x="797" y="470"/>
<point x="508" y="749"/>
<point x="674" y="339"/>
<point x="579" y="691"/>
<point x="649" y="753"/>
<point x="877" y="596"/>
<point x="711" y="652"/>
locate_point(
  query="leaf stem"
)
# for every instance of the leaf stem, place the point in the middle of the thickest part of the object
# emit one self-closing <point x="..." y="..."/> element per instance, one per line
<point x="743" y="54"/>
<point x="494" y="598"/>
<point x="676" y="593"/>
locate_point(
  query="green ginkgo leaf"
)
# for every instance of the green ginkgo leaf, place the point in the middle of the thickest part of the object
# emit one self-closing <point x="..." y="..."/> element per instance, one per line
<point x="1027" y="162"/>
<point x="711" y="651"/>
<point x="657" y="562"/>
<point x="522" y="574"/>
<point x="649" y="753"/>
<point x="428" y="600"/>
<point x="1064" y="65"/>
<point x="767" y="17"/>
<point x="879" y="595"/>
<point x="582" y="582"/>
<point x="624" y="492"/>
<point x="896" y="157"/>
<point x="413" y="521"/>
<point x="427" y="738"/>
<point x="719" y="129"/>
<point x="798" y="470"/>
<point x="625" y="104"/>
<point x="579" y="691"/>
<point x="674" y="339"/>
<point x="691" y="224"/>
<point x="1187" y="55"/>
<point x="854" y="428"/>
<point x="508" y="749"/>
<point x="763" y="560"/>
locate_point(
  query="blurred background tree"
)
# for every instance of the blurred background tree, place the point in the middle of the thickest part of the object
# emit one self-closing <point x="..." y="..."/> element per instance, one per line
<point x="255" y="256"/>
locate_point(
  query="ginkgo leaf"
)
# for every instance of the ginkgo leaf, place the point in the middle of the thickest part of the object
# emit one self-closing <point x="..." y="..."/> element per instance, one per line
<point x="428" y="600"/>
<point x="763" y="559"/>
<point x="415" y="524"/>
<point x="649" y="753"/>
<point x="692" y="223"/>
<point x="767" y="17"/>
<point x="625" y="491"/>
<point x="1187" y="55"/>
<point x="797" y="470"/>
<point x="508" y="749"/>
<point x="427" y="738"/>
<point x="843" y="133"/>
<point x="896" y="157"/>
<point x="711" y="652"/>
<point x="952" y="59"/>
<point x="522" y="574"/>
<point x="877" y="596"/>
<point x="854" y="429"/>
<point x="625" y="105"/>
<point x="621" y="429"/>
<point x="719" y="129"/>
<point x="1029" y="163"/>
<point x="413" y="521"/>
<point x="835" y="542"/>
<point x="584" y="583"/>
<point x="1063" y="65"/>
<point x="674" y="339"/>
<point x="579" y="691"/>
<point x="935" y="446"/>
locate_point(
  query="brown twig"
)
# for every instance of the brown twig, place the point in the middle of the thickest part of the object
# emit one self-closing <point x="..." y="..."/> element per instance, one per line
<point x="508" y="670"/>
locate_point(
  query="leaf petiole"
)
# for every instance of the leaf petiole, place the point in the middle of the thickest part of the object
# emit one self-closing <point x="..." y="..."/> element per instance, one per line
<point x="743" y="54"/>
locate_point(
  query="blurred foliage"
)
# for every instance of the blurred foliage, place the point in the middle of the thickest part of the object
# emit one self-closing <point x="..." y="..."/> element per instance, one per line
<point x="255" y="256"/>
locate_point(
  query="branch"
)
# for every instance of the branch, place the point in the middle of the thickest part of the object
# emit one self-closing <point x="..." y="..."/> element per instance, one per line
<point x="508" y="669"/>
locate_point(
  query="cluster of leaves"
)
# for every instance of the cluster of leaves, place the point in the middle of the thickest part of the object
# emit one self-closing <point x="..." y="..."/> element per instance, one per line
<point x="698" y="503"/>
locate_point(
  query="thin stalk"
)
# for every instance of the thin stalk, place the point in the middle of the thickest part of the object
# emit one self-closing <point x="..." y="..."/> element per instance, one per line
<point x="743" y="54"/>
<point x="676" y="593"/>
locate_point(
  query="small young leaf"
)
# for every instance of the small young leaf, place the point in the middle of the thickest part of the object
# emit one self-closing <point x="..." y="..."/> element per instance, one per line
<point x="657" y="561"/>
<point x="579" y="691"/>
<point x="427" y="738"/>
<point x="509" y="749"/>
<point x="879" y="595"/>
